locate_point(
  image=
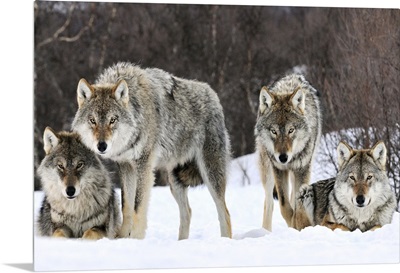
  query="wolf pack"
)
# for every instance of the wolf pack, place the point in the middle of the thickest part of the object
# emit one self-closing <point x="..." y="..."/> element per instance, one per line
<point x="145" y="119"/>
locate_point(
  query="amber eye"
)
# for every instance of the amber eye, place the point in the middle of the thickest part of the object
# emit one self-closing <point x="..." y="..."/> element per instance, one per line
<point x="352" y="178"/>
<point x="273" y="131"/>
<point x="369" y="177"/>
<point x="80" y="165"/>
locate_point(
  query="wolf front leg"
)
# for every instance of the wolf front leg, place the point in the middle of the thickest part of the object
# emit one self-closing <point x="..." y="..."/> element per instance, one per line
<point x="62" y="232"/>
<point x="137" y="178"/>
<point x="304" y="208"/>
<point x="128" y="193"/>
<point x="334" y="226"/>
<point x="375" y="227"/>
<point x="268" y="183"/>
<point x="145" y="181"/>
<point x="300" y="177"/>
<point x="282" y="188"/>
<point x="327" y="222"/>
<point x="94" y="233"/>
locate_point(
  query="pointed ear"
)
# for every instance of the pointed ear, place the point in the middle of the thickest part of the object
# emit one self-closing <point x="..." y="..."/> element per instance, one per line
<point x="84" y="92"/>
<point x="344" y="152"/>
<point x="121" y="92"/>
<point x="266" y="99"/>
<point x="378" y="152"/>
<point x="298" y="99"/>
<point x="50" y="140"/>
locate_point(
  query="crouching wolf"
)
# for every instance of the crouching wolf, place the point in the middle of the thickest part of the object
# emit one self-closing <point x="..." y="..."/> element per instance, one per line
<point x="79" y="198"/>
<point x="147" y="118"/>
<point x="287" y="131"/>
<point x="360" y="197"/>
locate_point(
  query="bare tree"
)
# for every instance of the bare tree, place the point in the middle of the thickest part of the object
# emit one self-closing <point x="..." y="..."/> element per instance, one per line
<point x="349" y="55"/>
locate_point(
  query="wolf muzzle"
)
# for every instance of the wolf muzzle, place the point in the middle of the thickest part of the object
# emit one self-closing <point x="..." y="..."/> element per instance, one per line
<point x="361" y="201"/>
<point x="283" y="158"/>
<point x="70" y="191"/>
<point x="102" y="146"/>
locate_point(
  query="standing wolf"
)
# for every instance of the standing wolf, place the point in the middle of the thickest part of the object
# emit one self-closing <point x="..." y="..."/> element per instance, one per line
<point x="79" y="198"/>
<point x="287" y="131"/>
<point x="359" y="197"/>
<point x="147" y="118"/>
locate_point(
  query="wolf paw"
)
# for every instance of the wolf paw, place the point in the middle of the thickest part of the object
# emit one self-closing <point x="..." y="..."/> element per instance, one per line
<point x="306" y="196"/>
<point x="124" y="232"/>
<point x="93" y="234"/>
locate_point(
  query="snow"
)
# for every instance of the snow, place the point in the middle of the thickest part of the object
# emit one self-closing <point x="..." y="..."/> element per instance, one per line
<point x="251" y="245"/>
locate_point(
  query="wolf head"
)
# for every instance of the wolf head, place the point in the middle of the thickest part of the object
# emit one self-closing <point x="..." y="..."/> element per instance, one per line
<point x="103" y="119"/>
<point x="65" y="166"/>
<point x="281" y="123"/>
<point x="362" y="178"/>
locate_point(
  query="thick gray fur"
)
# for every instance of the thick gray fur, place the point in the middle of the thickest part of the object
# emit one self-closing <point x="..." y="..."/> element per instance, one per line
<point x="288" y="126"/>
<point x="360" y="197"/>
<point x="162" y="121"/>
<point x="93" y="211"/>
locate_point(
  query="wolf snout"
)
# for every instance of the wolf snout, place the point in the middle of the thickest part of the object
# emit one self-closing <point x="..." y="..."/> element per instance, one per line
<point x="102" y="146"/>
<point x="283" y="158"/>
<point x="70" y="192"/>
<point x="360" y="200"/>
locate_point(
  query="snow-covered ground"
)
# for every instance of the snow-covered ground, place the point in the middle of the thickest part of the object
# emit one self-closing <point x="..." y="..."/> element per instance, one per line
<point x="251" y="245"/>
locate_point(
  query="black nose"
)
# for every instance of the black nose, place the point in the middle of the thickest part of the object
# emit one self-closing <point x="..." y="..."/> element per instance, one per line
<point x="283" y="158"/>
<point x="102" y="146"/>
<point x="70" y="191"/>
<point x="360" y="199"/>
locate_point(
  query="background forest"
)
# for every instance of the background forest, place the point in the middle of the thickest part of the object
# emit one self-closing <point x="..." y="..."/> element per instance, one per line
<point x="351" y="55"/>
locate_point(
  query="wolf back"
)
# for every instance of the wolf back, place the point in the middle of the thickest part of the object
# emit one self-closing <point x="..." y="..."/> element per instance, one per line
<point x="79" y="200"/>
<point x="147" y="118"/>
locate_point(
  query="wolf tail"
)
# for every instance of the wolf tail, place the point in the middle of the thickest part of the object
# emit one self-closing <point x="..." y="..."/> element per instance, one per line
<point x="188" y="174"/>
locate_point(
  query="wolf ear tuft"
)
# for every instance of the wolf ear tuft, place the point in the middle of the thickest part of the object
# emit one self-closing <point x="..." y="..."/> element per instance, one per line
<point x="266" y="99"/>
<point x="298" y="99"/>
<point x="121" y="92"/>
<point x="84" y="92"/>
<point x="344" y="152"/>
<point x="50" y="140"/>
<point x="378" y="152"/>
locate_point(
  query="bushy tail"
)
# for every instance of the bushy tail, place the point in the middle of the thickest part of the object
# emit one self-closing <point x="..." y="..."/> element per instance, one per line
<point x="188" y="174"/>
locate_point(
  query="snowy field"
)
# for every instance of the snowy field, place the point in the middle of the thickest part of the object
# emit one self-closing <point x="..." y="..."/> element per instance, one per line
<point x="251" y="245"/>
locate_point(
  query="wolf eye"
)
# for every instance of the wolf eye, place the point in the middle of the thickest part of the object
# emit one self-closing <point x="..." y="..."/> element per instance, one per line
<point x="291" y="130"/>
<point x="369" y="177"/>
<point x="273" y="131"/>
<point x="113" y="120"/>
<point x="352" y="178"/>
<point x="80" y="165"/>
<point x="92" y="120"/>
<point x="60" y="166"/>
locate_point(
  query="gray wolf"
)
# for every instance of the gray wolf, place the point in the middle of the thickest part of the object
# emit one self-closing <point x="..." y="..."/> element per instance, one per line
<point x="79" y="200"/>
<point x="146" y="119"/>
<point x="360" y="197"/>
<point x="287" y="131"/>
